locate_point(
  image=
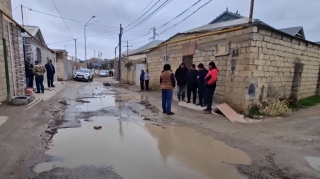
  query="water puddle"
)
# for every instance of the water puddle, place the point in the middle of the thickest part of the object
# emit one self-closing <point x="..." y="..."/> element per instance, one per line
<point x="314" y="162"/>
<point x="139" y="150"/>
<point x="96" y="103"/>
<point x="3" y="119"/>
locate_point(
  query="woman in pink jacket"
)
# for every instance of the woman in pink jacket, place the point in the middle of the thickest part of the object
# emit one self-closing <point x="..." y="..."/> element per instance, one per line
<point x="210" y="85"/>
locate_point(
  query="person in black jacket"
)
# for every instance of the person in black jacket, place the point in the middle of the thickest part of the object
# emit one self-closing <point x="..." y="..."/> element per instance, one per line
<point x="50" y="73"/>
<point x="192" y="83"/>
<point x="29" y="74"/>
<point x="201" y="86"/>
<point x="180" y="75"/>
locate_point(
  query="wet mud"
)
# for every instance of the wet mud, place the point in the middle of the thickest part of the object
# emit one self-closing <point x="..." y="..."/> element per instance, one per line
<point x="130" y="146"/>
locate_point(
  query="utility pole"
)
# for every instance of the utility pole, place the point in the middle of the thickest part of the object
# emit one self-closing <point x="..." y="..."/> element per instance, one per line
<point x="154" y="33"/>
<point x="119" y="62"/>
<point x="251" y="11"/>
<point x="75" y="48"/>
<point x="128" y="49"/>
<point x="22" y="14"/>
<point x="23" y="38"/>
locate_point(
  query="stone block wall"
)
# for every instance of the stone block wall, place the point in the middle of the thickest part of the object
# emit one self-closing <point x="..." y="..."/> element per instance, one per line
<point x="18" y="60"/>
<point x="129" y="74"/>
<point x="234" y="68"/>
<point x="284" y="65"/>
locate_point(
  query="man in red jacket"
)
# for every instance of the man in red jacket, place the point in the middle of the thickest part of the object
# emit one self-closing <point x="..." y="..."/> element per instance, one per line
<point x="210" y="84"/>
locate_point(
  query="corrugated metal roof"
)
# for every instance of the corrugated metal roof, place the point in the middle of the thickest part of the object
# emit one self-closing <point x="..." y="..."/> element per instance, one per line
<point x="291" y="30"/>
<point x="146" y="47"/>
<point x="219" y="26"/>
<point x="31" y="29"/>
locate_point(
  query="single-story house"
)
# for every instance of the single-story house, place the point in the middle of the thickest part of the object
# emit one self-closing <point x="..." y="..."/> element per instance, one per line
<point x="135" y="62"/>
<point x="256" y="61"/>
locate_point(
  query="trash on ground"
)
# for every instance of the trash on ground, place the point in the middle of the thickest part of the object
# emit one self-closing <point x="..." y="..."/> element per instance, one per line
<point x="97" y="127"/>
<point x="309" y="140"/>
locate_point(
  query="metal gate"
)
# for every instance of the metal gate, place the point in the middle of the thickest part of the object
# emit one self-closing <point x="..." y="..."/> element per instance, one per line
<point x="139" y="67"/>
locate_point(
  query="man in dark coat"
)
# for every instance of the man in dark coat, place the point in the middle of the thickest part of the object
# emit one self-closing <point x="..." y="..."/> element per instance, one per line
<point x="142" y="80"/>
<point x="180" y="75"/>
<point x="201" y="87"/>
<point x="192" y="83"/>
<point x="50" y="73"/>
<point x="29" y="75"/>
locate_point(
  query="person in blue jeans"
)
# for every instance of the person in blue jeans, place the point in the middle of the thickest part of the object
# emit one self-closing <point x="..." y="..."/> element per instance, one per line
<point x="168" y="82"/>
<point x="39" y="70"/>
<point x="180" y="75"/>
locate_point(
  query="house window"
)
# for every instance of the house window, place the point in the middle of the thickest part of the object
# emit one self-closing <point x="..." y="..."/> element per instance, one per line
<point x="38" y="55"/>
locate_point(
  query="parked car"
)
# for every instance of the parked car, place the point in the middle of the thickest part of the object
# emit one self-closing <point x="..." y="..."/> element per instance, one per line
<point x="104" y="73"/>
<point x="83" y="75"/>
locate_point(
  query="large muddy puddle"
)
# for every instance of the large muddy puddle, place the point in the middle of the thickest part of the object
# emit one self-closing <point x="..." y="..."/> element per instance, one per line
<point x="141" y="150"/>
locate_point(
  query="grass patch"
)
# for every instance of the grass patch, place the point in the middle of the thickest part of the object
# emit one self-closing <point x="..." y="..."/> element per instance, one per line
<point x="254" y="110"/>
<point x="310" y="101"/>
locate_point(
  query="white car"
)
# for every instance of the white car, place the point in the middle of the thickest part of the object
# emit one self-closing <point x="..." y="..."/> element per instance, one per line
<point x="83" y="75"/>
<point x="104" y="73"/>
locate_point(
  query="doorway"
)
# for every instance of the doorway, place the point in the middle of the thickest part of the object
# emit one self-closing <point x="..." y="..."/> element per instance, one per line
<point x="188" y="60"/>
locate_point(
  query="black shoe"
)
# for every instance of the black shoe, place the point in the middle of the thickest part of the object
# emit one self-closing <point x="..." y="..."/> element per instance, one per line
<point x="37" y="92"/>
<point x="194" y="102"/>
<point x="203" y="105"/>
<point x="164" y="112"/>
<point x="206" y="109"/>
<point x="199" y="104"/>
<point x="169" y="114"/>
<point x="188" y="101"/>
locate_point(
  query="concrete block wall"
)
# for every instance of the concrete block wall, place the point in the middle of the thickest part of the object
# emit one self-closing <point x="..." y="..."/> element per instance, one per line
<point x="276" y="56"/>
<point x="234" y="69"/>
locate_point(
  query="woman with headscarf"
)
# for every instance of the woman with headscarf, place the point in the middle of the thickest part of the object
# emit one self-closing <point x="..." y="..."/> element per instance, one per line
<point x="210" y="84"/>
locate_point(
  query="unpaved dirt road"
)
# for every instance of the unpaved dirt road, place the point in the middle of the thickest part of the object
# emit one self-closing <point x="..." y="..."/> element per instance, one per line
<point x="92" y="131"/>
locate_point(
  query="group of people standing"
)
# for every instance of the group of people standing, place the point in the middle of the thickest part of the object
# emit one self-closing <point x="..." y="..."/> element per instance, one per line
<point x="202" y="81"/>
<point x="37" y="72"/>
<point x="144" y="80"/>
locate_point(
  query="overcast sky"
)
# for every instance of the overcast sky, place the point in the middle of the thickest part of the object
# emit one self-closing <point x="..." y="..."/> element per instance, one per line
<point x="278" y="13"/>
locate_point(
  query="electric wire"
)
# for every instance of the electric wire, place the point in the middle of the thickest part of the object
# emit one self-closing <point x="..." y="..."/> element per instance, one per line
<point x="62" y="18"/>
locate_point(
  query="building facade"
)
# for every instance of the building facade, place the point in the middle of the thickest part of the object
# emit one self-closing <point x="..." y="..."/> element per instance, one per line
<point x="255" y="61"/>
<point x="7" y="66"/>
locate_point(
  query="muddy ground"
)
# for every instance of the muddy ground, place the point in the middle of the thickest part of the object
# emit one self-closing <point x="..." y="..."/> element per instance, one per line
<point x="57" y="139"/>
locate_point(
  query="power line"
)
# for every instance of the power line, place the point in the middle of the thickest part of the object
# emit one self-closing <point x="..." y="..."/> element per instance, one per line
<point x="169" y="21"/>
<point x="65" y="17"/>
<point x="114" y="9"/>
<point x="62" y="18"/>
<point x="159" y="8"/>
<point x="179" y="14"/>
<point x="144" y="12"/>
<point x="186" y="17"/>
